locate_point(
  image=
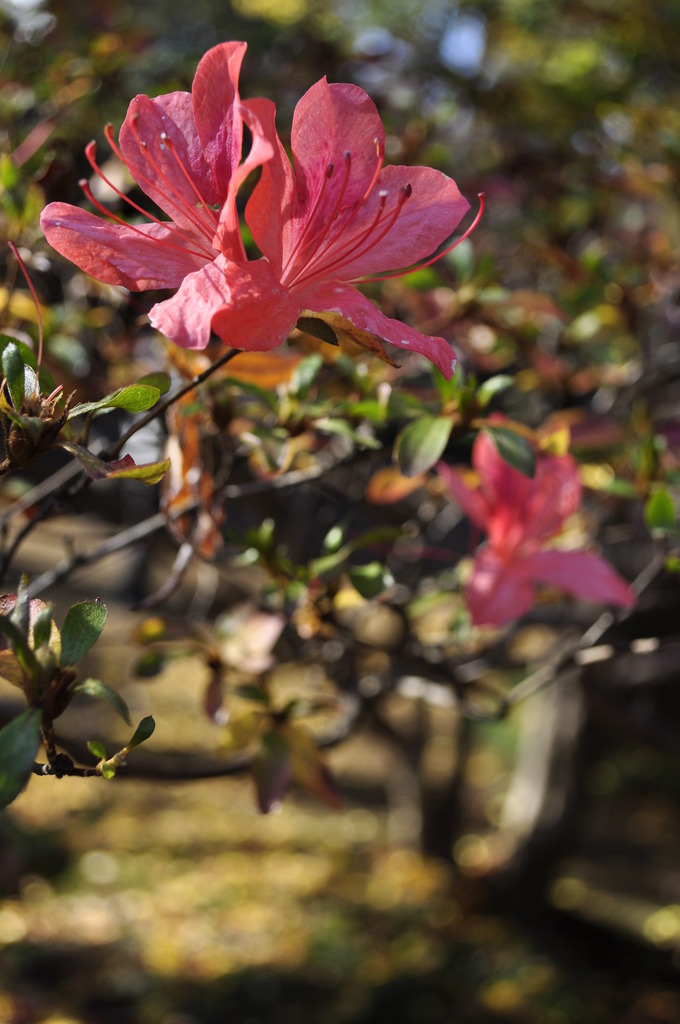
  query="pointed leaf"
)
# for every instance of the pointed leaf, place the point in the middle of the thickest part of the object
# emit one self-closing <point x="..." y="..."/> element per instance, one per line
<point x="514" y="449"/>
<point x="82" y="626"/>
<point x="96" y="688"/>
<point x="19" y="742"/>
<point x="142" y="732"/>
<point x="42" y="626"/>
<point x="13" y="372"/>
<point x="371" y="579"/>
<point x="491" y="387"/>
<point x="125" y="468"/>
<point x="422" y="443"/>
<point x="660" y="510"/>
<point x="135" y="398"/>
<point x="97" y="749"/>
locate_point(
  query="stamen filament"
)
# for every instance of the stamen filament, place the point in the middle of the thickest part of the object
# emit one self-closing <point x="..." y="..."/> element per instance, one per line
<point x="208" y="229"/>
<point x="316" y="241"/>
<point x="169" y="144"/>
<point x="433" y="259"/>
<point x="291" y="256"/>
<point x="350" y="253"/>
<point x="38" y="362"/>
<point x="90" y="151"/>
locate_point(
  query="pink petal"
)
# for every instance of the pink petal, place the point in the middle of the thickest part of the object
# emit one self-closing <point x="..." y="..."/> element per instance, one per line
<point x="427" y="218"/>
<point x="273" y="209"/>
<point x="244" y="305"/>
<point x="555" y="495"/>
<point x="498" y="591"/>
<point x="260" y="314"/>
<point x="138" y="257"/>
<point x="329" y="122"/>
<point x="470" y="499"/>
<point x="175" y="176"/>
<point x="506" y="490"/>
<point x="580" y="573"/>
<point x="215" y="103"/>
<point x="228" y="236"/>
<point x="351" y="304"/>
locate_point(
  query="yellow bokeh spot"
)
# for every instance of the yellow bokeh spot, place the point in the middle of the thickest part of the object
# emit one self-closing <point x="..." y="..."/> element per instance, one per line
<point x="283" y="12"/>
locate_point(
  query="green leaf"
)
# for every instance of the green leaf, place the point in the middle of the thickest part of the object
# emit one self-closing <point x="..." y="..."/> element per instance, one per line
<point x="19" y="645"/>
<point x="135" y="398"/>
<point x="97" y="749"/>
<point x="42" y="626"/>
<point x="142" y="732"/>
<point x="318" y="329"/>
<point x="13" y="371"/>
<point x="82" y="626"/>
<point x="371" y="579"/>
<point x="514" y="449"/>
<point x="305" y="374"/>
<point x="159" y="379"/>
<point x="125" y="468"/>
<point x="334" y="425"/>
<point x="102" y="691"/>
<point x="421" y="444"/>
<point x="19" y="742"/>
<point x="660" y="510"/>
<point x="492" y="387"/>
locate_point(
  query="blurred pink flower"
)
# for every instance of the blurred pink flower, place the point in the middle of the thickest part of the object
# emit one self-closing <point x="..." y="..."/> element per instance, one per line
<point x="520" y="517"/>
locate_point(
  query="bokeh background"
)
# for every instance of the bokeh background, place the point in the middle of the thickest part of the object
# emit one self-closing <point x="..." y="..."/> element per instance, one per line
<point x="151" y="901"/>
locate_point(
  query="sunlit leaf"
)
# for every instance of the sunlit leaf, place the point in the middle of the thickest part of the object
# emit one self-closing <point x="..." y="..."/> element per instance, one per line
<point x="125" y="468"/>
<point x="97" y="749"/>
<point x="421" y="444"/>
<point x="13" y="370"/>
<point x="135" y="398"/>
<point x="81" y="629"/>
<point x="659" y="510"/>
<point x="102" y="691"/>
<point x="371" y="579"/>
<point x="389" y="484"/>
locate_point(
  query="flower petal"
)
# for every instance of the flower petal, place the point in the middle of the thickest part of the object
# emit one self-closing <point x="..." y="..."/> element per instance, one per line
<point x="470" y="499"/>
<point x="351" y="304"/>
<point x="174" y="175"/>
<point x="244" y="305"/>
<point x="580" y="573"/>
<point x="271" y="210"/>
<point x="216" y="112"/>
<point x="138" y="257"/>
<point x="498" y="591"/>
<point x="394" y="232"/>
<point x="228" y="235"/>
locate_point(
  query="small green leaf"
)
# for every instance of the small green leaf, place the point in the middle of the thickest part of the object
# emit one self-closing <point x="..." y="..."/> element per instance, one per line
<point x="305" y="374"/>
<point x="102" y="691"/>
<point x="160" y="380"/>
<point x="108" y="770"/>
<point x="135" y="398"/>
<point x="19" y="742"/>
<point x="124" y="468"/>
<point x="19" y="645"/>
<point x="97" y="749"/>
<point x="82" y="626"/>
<point x="421" y="444"/>
<point x="514" y="449"/>
<point x="42" y="626"/>
<point x="660" y="510"/>
<point x="13" y="372"/>
<point x="492" y="387"/>
<point x="142" y="732"/>
<point x="371" y="579"/>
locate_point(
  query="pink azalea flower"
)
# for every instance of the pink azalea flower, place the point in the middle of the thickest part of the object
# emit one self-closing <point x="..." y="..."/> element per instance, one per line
<point x="183" y="150"/>
<point x="520" y="517"/>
